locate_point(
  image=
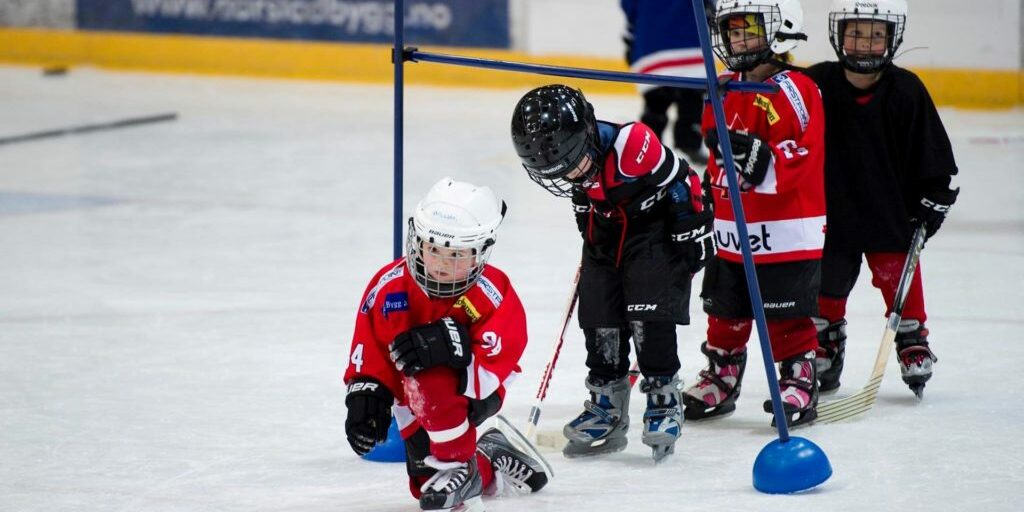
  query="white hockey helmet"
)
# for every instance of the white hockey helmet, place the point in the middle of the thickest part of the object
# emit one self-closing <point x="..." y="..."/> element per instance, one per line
<point x="451" y="233"/>
<point x="891" y="12"/>
<point x="779" y="22"/>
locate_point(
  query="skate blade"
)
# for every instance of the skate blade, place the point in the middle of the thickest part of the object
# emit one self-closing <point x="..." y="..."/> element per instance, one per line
<point x="522" y="443"/>
<point x="918" y="390"/>
<point x="577" y="449"/>
<point x="701" y="416"/>
<point x="661" y="452"/>
<point x="798" y="420"/>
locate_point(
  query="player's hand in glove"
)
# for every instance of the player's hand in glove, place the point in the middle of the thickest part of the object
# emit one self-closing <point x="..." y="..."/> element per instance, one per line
<point x="694" y="235"/>
<point x="581" y="207"/>
<point x="444" y="342"/>
<point x="369" y="414"/>
<point x="751" y="155"/>
<point x="933" y="208"/>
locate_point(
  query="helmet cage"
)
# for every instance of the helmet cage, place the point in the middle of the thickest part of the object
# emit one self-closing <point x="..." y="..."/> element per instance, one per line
<point x="555" y="180"/>
<point x="767" y="17"/>
<point x="894" y="23"/>
<point x="450" y="255"/>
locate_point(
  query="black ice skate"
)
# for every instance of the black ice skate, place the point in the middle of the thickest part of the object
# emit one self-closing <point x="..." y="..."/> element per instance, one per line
<point x="456" y="484"/>
<point x="798" y="384"/>
<point x="601" y="427"/>
<point x="718" y="386"/>
<point x="513" y="468"/>
<point x="916" y="359"/>
<point x="831" y="353"/>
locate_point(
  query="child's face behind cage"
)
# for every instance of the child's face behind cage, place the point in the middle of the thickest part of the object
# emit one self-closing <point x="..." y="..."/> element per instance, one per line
<point x="865" y="37"/>
<point x="448" y="265"/>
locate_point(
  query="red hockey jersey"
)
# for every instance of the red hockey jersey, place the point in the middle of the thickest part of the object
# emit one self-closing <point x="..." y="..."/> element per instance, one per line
<point x="393" y="303"/>
<point x="785" y="213"/>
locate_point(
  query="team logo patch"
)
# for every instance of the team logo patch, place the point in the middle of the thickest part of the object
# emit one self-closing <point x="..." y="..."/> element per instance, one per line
<point x="398" y="301"/>
<point x="469" y="308"/>
<point x="765" y="104"/>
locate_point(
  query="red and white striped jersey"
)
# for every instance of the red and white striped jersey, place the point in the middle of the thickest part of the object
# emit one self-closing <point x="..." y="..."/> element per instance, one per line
<point x="786" y="213"/>
<point x="393" y="303"/>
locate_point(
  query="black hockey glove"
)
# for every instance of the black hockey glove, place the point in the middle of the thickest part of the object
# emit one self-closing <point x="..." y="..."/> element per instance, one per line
<point x="444" y="342"/>
<point x="694" y="235"/>
<point x="751" y="155"/>
<point x="369" y="414"/>
<point x="581" y="207"/>
<point x="933" y="208"/>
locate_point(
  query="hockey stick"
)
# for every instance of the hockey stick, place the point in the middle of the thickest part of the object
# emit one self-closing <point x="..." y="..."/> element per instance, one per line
<point x="123" y="123"/>
<point x="545" y="380"/>
<point x="862" y="401"/>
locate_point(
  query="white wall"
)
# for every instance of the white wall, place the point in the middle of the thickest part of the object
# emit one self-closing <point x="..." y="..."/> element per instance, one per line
<point x="940" y="33"/>
<point x="37" y="13"/>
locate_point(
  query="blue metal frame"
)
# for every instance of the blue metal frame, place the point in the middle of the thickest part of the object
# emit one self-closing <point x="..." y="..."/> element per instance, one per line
<point x="741" y="225"/>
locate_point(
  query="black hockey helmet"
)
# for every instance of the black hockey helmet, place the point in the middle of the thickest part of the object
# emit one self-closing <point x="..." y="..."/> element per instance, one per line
<point x="553" y="129"/>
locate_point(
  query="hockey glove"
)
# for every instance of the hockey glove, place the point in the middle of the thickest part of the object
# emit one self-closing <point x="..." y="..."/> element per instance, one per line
<point x="933" y="208"/>
<point x="751" y="155"/>
<point x="444" y="342"/>
<point x="581" y="207"/>
<point x="369" y="414"/>
<point x="694" y="235"/>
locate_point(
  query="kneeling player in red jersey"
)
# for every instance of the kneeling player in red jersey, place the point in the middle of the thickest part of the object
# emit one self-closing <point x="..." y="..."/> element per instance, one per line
<point x="438" y="336"/>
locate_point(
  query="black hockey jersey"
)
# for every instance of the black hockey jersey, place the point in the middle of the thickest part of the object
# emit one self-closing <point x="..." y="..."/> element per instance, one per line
<point x="885" y="148"/>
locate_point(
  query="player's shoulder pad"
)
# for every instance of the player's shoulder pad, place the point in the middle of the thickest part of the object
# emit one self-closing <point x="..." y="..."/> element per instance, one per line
<point x="385" y="275"/>
<point x="639" y="150"/>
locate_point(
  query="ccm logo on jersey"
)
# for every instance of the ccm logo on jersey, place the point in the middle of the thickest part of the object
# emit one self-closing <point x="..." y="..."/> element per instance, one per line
<point x="643" y="149"/>
<point x="453" y="335"/>
<point x="641" y="307"/>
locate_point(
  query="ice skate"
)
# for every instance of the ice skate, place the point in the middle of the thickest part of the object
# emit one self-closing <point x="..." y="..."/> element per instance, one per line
<point x="663" y="417"/>
<point x="513" y="468"/>
<point x="798" y="384"/>
<point x="718" y="386"/>
<point x="916" y="359"/>
<point x="601" y="427"/>
<point x="830" y="355"/>
<point x="456" y="484"/>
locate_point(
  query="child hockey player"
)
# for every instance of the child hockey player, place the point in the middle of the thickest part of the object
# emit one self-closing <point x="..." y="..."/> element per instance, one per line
<point x="645" y="230"/>
<point x="888" y="169"/>
<point x="778" y="143"/>
<point x="438" y="335"/>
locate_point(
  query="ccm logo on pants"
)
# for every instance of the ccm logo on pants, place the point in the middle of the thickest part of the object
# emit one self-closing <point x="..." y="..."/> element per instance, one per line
<point x="641" y="307"/>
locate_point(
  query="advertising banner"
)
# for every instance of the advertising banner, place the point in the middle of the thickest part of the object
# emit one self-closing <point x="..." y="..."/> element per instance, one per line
<point x="476" y="23"/>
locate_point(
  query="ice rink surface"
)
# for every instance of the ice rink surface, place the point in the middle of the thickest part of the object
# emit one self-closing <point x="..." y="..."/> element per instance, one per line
<point x="177" y="302"/>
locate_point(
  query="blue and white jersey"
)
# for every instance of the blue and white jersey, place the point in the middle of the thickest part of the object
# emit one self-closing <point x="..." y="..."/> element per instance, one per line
<point x="665" y="40"/>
